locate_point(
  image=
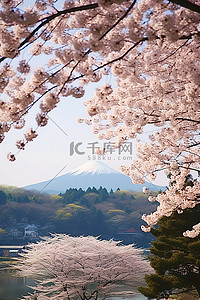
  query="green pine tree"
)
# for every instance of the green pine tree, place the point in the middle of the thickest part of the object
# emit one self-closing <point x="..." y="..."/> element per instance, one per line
<point x="175" y="258"/>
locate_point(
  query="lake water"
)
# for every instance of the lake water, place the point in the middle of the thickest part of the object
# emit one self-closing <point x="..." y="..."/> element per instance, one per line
<point x="13" y="287"/>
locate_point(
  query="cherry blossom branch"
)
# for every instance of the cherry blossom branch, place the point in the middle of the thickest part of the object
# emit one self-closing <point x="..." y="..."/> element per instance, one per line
<point x="187" y="4"/>
<point x="174" y="52"/>
<point x="46" y="20"/>
<point x="82" y="75"/>
<point x="60" y="13"/>
<point x="189" y="120"/>
<point x="194" y="145"/>
<point x="119" y="20"/>
<point x="114" y="60"/>
<point x="89" y="50"/>
<point x="189" y="168"/>
<point x="27" y="44"/>
<point x="167" y="120"/>
<point x="123" y="55"/>
<point x="193" y="153"/>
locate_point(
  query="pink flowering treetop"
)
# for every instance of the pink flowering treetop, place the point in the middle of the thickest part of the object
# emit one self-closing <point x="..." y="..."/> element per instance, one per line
<point x="151" y="47"/>
<point x="82" y="267"/>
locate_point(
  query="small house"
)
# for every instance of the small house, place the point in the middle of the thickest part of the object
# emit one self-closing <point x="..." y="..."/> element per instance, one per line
<point x="31" y="232"/>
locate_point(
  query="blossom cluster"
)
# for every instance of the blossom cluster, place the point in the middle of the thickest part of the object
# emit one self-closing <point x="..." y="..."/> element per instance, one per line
<point x="176" y="198"/>
<point x="194" y="232"/>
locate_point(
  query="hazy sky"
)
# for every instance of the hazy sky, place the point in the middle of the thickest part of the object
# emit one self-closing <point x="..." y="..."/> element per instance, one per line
<point x="49" y="153"/>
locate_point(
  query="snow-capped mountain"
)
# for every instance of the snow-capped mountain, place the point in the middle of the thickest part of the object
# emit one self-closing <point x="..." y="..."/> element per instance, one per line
<point x="90" y="174"/>
<point x="94" y="168"/>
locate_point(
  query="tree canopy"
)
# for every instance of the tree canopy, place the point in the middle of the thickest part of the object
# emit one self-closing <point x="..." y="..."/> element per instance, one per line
<point x="152" y="49"/>
<point x="82" y="268"/>
<point x="175" y="258"/>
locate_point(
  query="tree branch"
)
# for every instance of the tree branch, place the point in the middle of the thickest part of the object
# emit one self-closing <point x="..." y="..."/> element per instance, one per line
<point x="60" y="13"/>
<point x="187" y="4"/>
<point x="123" y="55"/>
<point x="189" y="120"/>
<point x="194" y="145"/>
<point x="119" y="20"/>
<point x="51" y="17"/>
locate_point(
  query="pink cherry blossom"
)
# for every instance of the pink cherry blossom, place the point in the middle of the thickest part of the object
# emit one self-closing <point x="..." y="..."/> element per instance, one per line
<point x="82" y="267"/>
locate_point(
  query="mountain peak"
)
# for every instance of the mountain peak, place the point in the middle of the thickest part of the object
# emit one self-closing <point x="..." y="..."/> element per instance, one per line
<point x="93" y="167"/>
<point x="90" y="174"/>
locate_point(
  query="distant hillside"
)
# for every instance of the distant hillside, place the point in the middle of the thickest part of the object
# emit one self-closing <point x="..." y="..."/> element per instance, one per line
<point x="94" y="174"/>
<point x="93" y="211"/>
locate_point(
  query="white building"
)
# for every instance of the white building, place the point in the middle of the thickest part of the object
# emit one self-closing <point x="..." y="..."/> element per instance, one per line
<point x="31" y="231"/>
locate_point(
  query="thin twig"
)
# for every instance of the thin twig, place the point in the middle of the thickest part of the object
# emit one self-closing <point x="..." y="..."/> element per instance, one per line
<point x="119" y="20"/>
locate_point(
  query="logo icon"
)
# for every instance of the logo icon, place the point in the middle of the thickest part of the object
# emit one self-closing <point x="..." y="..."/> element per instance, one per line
<point x="74" y="148"/>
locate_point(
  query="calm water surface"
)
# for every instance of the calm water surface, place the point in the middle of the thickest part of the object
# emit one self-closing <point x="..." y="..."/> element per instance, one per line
<point x="13" y="287"/>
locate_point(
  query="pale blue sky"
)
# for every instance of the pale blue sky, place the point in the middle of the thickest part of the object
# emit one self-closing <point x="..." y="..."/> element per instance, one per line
<point x="49" y="153"/>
